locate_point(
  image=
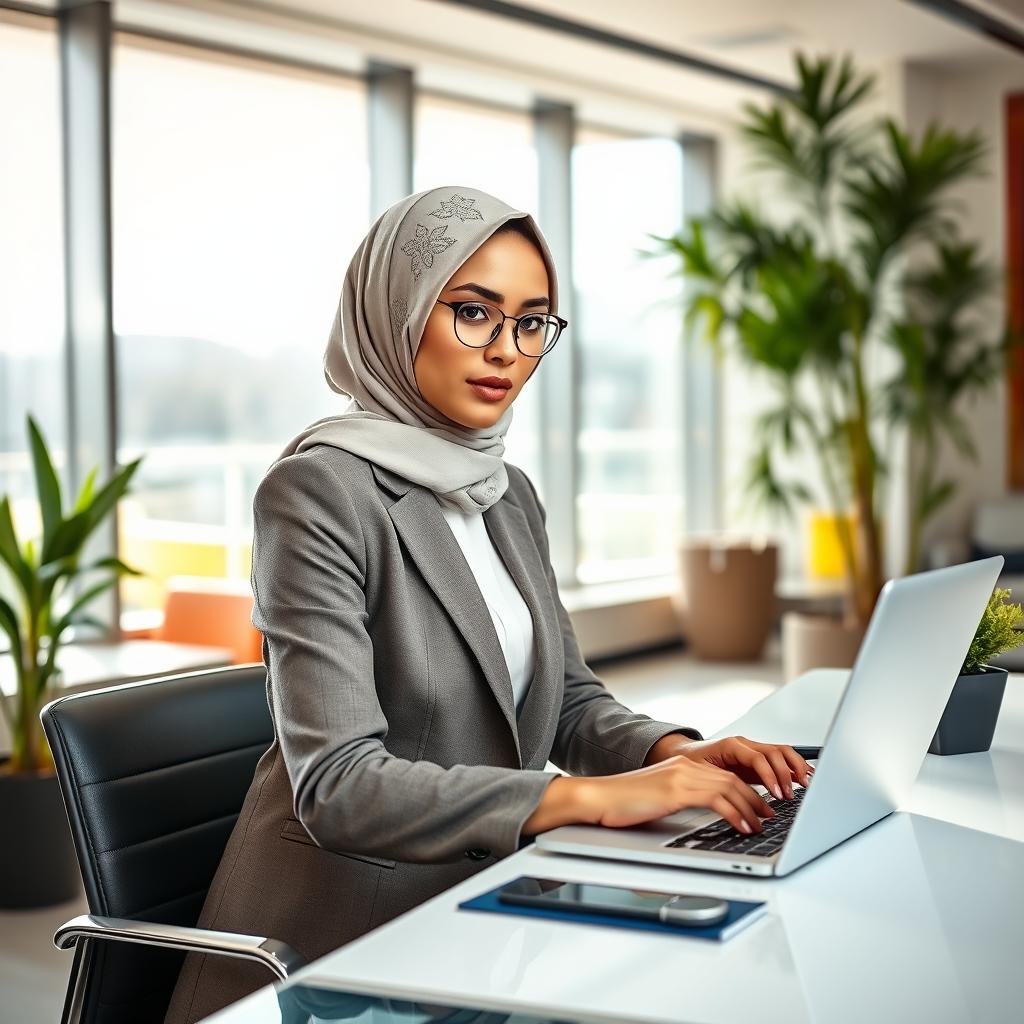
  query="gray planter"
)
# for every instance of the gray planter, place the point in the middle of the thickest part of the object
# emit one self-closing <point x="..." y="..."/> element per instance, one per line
<point x="969" y="721"/>
<point x="38" y="865"/>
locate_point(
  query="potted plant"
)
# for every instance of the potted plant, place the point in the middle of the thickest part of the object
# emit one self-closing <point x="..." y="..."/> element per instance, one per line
<point x="726" y="602"/>
<point x="969" y="719"/>
<point x="37" y="861"/>
<point x="803" y="293"/>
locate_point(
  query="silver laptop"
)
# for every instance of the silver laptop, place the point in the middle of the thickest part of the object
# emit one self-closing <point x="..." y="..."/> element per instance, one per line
<point x="887" y="714"/>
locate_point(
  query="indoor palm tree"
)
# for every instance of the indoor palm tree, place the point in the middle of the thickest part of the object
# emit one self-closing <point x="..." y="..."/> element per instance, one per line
<point x="865" y="261"/>
<point x="41" y="573"/>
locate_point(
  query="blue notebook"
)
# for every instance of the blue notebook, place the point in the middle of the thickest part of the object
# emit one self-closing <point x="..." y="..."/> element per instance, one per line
<point x="741" y="913"/>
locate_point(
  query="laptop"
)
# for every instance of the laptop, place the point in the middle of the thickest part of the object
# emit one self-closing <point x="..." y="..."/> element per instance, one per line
<point x="904" y="672"/>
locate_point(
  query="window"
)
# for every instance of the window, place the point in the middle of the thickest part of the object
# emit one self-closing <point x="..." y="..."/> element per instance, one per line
<point x="241" y="190"/>
<point x="628" y="333"/>
<point x="462" y="143"/>
<point x="31" y="259"/>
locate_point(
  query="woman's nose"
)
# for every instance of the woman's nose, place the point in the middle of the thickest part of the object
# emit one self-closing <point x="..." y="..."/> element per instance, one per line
<point x="504" y="341"/>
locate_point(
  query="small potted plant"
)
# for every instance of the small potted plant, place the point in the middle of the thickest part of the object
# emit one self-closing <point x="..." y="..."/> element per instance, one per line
<point x="969" y="720"/>
<point x="37" y="860"/>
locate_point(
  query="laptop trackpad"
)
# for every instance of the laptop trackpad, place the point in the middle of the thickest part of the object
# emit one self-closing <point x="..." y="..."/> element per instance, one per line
<point x="679" y="823"/>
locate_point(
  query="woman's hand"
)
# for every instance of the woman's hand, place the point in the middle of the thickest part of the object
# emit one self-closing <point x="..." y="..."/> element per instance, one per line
<point x="678" y="773"/>
<point x="774" y="765"/>
<point x="671" y="785"/>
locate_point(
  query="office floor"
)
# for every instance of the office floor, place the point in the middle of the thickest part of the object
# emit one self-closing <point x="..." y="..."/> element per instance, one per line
<point x="668" y="685"/>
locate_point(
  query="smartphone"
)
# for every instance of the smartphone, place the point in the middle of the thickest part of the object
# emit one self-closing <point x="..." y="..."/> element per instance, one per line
<point x="668" y="907"/>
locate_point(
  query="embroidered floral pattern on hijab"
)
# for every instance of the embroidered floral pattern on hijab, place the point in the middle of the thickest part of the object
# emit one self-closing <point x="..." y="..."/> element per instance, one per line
<point x="458" y="206"/>
<point x="424" y="246"/>
<point x="385" y="301"/>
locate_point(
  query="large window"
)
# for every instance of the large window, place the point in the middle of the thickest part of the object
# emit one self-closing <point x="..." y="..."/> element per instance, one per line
<point x="31" y="260"/>
<point x="241" y="190"/>
<point x="462" y="143"/>
<point x="628" y="334"/>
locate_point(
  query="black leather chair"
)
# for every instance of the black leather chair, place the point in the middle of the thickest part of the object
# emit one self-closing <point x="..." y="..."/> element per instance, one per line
<point x="153" y="776"/>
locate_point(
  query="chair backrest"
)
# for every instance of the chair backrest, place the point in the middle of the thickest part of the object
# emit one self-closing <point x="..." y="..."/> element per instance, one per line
<point x="153" y="776"/>
<point x="198" y="610"/>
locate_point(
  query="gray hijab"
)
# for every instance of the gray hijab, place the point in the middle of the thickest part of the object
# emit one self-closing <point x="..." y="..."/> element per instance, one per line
<point x="392" y="283"/>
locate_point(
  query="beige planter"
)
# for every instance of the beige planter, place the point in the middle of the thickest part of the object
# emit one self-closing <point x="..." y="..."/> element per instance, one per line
<point x="817" y="641"/>
<point x="727" y="604"/>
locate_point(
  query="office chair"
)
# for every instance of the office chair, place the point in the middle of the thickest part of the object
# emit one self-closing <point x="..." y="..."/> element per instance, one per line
<point x="153" y="776"/>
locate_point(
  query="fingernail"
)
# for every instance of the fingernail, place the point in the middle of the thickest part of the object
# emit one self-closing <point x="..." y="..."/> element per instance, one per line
<point x="744" y="825"/>
<point x="777" y="791"/>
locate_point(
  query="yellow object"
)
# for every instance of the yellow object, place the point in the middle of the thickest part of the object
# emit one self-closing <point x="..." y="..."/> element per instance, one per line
<point x="824" y="550"/>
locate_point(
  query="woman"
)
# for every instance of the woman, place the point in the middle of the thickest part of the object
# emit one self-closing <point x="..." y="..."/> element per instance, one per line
<point x="421" y="667"/>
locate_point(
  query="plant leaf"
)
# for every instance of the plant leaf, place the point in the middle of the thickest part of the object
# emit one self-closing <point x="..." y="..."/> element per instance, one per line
<point x="10" y="551"/>
<point x="47" y="483"/>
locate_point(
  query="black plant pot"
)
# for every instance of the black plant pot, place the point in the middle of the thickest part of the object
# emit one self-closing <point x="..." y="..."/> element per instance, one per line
<point x="38" y="865"/>
<point x="969" y="721"/>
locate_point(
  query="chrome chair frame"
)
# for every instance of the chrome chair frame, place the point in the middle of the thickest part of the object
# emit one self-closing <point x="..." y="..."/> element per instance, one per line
<point x="82" y="931"/>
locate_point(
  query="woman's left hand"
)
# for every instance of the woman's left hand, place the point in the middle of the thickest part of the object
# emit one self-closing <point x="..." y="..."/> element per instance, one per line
<point x="773" y="765"/>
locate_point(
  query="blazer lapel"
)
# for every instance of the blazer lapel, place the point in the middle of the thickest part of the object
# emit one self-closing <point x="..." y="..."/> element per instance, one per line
<point x="438" y="557"/>
<point x="510" y="532"/>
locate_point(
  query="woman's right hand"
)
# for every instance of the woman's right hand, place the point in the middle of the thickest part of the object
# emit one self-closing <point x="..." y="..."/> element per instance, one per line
<point x="671" y="785"/>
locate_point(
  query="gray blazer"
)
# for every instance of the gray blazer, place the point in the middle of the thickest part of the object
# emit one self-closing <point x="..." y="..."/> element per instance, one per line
<point x="399" y="766"/>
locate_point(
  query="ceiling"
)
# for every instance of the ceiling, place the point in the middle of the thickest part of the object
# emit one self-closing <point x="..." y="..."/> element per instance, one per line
<point x="461" y="48"/>
<point x="751" y="36"/>
<point x="746" y="34"/>
<point x="759" y="36"/>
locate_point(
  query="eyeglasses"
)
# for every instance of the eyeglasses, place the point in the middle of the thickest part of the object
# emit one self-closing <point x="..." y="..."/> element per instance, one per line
<point x="477" y="324"/>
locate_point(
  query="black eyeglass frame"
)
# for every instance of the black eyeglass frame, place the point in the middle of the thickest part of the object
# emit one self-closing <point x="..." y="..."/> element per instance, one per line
<point x="456" y="306"/>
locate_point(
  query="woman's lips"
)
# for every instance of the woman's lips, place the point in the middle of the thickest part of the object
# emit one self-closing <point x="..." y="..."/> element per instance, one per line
<point x="488" y="393"/>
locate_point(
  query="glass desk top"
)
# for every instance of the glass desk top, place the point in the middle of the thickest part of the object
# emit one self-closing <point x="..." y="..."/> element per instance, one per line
<point x="297" y="1003"/>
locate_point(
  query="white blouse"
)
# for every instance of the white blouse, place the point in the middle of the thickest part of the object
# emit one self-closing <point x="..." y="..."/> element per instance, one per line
<point x="510" y="613"/>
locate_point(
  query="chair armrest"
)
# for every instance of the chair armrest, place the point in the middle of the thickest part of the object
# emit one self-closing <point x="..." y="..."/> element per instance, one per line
<point x="278" y="957"/>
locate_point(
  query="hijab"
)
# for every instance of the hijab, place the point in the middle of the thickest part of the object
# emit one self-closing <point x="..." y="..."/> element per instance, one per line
<point x="392" y="283"/>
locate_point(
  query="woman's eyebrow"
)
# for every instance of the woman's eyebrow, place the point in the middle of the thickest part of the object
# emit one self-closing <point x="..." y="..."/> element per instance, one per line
<point x="541" y="300"/>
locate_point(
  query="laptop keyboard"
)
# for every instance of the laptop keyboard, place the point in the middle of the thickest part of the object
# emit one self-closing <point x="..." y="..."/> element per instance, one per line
<point x="721" y="836"/>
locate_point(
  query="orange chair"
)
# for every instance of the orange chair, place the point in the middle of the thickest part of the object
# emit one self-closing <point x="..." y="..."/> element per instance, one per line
<point x="207" y="610"/>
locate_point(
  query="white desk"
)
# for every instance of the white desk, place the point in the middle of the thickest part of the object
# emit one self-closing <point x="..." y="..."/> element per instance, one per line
<point x="918" y="918"/>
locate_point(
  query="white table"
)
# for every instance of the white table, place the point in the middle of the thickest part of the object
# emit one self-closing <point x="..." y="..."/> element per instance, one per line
<point x="88" y="666"/>
<point x="917" y="918"/>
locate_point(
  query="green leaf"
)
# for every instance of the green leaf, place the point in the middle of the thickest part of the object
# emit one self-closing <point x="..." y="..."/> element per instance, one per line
<point x="998" y="631"/>
<point x="894" y="196"/>
<point x="47" y="484"/>
<point x="83" y="600"/>
<point x="69" y="537"/>
<point x="9" y="624"/>
<point x="10" y="551"/>
<point x="935" y="498"/>
<point x="84" y="619"/>
<point x="113" y="563"/>
<point x="112" y="491"/>
<point x="72" y="533"/>
<point x="85" y="495"/>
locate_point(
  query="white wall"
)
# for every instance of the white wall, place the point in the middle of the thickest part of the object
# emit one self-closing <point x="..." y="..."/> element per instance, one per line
<point x="963" y="99"/>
